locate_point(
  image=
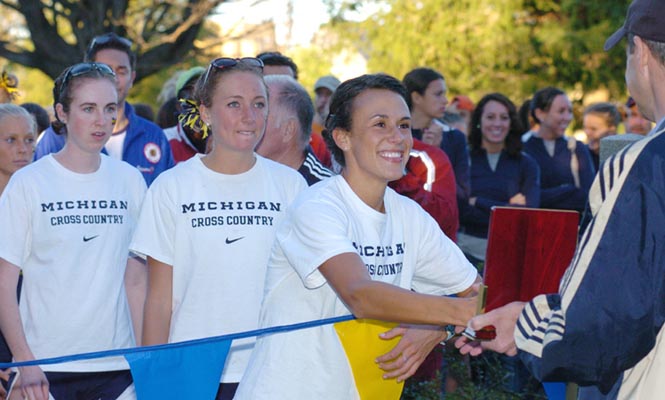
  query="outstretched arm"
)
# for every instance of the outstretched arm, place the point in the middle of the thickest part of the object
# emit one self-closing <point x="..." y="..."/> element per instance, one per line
<point x="366" y="298"/>
<point x="416" y="342"/>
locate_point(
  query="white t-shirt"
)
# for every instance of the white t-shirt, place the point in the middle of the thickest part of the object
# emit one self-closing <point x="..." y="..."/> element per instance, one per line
<point x="70" y="234"/>
<point x="216" y="231"/>
<point x="403" y="247"/>
<point x="114" y="145"/>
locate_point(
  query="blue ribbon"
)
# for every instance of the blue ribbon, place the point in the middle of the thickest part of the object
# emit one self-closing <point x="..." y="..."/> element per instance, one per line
<point x="229" y="337"/>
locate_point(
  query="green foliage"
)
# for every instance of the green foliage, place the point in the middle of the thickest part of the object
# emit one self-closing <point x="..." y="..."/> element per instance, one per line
<point x="59" y="31"/>
<point x="313" y="62"/>
<point x="481" y="378"/>
<point x="34" y="86"/>
<point x="511" y="46"/>
<point x="425" y="390"/>
<point x="148" y="90"/>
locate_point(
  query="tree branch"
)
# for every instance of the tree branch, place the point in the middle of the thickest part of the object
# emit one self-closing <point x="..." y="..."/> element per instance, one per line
<point x="23" y="57"/>
<point x="8" y="4"/>
<point x="165" y="38"/>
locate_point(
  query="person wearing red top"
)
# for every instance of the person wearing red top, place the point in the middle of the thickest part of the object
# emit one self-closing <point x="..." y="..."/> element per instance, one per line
<point x="185" y="141"/>
<point x="319" y="146"/>
<point x="324" y="88"/>
<point x="430" y="182"/>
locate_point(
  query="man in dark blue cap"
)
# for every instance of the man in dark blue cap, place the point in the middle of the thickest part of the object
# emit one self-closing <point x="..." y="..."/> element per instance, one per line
<point x="604" y="329"/>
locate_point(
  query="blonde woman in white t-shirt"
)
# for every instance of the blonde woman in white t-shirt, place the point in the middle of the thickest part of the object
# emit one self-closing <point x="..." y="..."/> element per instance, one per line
<point x="18" y="132"/>
<point x="208" y="224"/>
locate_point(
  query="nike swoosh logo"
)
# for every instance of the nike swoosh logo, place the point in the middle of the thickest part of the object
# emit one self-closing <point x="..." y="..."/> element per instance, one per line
<point x="233" y="240"/>
<point x="87" y="239"/>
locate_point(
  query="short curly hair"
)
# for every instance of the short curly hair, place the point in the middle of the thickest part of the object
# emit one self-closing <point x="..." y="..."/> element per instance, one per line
<point x="342" y="103"/>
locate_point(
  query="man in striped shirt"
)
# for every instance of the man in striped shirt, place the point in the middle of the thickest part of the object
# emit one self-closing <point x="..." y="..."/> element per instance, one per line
<point x="286" y="140"/>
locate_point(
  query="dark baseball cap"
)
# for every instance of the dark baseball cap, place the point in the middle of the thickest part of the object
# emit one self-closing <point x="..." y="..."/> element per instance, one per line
<point x="644" y="19"/>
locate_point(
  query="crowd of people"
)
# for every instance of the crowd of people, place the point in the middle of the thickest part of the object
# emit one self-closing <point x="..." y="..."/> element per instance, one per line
<point x="249" y="205"/>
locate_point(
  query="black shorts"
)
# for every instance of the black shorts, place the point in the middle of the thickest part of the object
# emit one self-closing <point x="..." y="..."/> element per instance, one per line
<point x="5" y="353"/>
<point x="226" y="391"/>
<point x="88" y="385"/>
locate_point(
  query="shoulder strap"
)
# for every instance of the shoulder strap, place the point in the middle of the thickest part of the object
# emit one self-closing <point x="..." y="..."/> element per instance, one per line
<point x="574" y="162"/>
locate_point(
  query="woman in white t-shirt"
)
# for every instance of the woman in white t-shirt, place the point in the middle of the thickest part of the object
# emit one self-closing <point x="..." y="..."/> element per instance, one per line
<point x="18" y="132"/>
<point x="352" y="245"/>
<point x="207" y="225"/>
<point x="71" y="215"/>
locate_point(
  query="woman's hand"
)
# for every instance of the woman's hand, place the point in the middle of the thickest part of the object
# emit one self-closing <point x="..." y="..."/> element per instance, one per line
<point x="416" y="343"/>
<point x="433" y="134"/>
<point x="33" y="384"/>
<point x="4" y="375"/>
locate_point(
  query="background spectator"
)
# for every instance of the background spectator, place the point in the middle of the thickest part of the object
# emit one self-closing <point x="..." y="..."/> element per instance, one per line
<point x="427" y="101"/>
<point x="599" y="120"/>
<point x="276" y="63"/>
<point x="635" y="121"/>
<point x="39" y="114"/>
<point x="566" y="169"/>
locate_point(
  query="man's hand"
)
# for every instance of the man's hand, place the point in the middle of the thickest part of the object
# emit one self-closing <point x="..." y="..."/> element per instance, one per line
<point x="416" y="343"/>
<point x="504" y="320"/>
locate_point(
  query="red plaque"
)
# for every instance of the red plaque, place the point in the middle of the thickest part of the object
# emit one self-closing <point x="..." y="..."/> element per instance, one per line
<point x="528" y="250"/>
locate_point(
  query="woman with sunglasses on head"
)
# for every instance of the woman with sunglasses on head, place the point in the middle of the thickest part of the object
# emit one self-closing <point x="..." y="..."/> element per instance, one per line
<point x="72" y="214"/>
<point x="208" y="224"/>
<point x="501" y="175"/>
<point x="371" y="253"/>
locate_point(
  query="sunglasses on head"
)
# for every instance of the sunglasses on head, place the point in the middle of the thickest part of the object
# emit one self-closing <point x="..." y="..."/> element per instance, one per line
<point x="86" y="68"/>
<point x="225" y="62"/>
<point x="109" y="38"/>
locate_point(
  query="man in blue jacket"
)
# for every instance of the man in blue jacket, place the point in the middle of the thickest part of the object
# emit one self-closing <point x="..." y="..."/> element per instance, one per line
<point x="604" y="329"/>
<point x="135" y="140"/>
